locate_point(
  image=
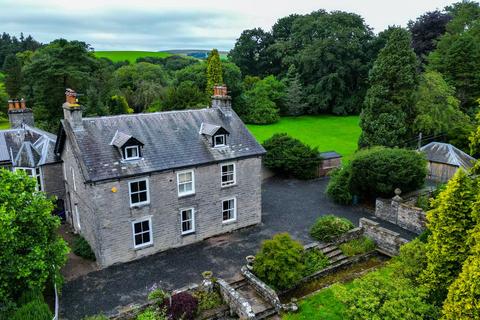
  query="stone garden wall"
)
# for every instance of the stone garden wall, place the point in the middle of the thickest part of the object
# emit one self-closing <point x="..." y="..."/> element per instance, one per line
<point x="262" y="288"/>
<point x="237" y="303"/>
<point x="402" y="213"/>
<point x="386" y="240"/>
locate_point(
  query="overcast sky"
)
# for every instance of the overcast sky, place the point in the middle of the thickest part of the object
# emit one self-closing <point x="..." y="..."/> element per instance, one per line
<point x="181" y="24"/>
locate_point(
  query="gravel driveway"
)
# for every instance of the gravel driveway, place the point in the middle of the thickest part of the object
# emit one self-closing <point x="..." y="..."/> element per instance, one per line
<point x="288" y="206"/>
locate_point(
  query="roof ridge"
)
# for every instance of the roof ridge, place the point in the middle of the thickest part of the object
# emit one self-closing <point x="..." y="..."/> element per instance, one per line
<point x="142" y="114"/>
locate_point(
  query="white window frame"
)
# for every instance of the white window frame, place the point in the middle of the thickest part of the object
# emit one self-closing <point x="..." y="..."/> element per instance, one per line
<point x="73" y="179"/>
<point x="126" y="157"/>
<point x="36" y="174"/>
<point x="230" y="183"/>
<point x="77" y="218"/>
<point x="137" y="204"/>
<point x="192" y="219"/>
<point x="182" y="194"/>
<point x="149" y="219"/>
<point x="234" y="210"/>
<point x="219" y="144"/>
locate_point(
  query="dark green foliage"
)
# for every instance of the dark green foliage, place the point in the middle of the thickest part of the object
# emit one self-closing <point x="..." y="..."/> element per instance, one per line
<point x="263" y="100"/>
<point x="13" y="45"/>
<point x="182" y="306"/>
<point x="30" y="295"/>
<point x="314" y="260"/>
<point x="208" y="300"/>
<point x="329" y="227"/>
<point x="279" y="262"/>
<point x="338" y="187"/>
<point x="295" y="96"/>
<point x="388" y="112"/>
<point x="32" y="252"/>
<point x="426" y="30"/>
<point x="290" y="156"/>
<point x="214" y="71"/>
<point x="357" y="246"/>
<point x="184" y="96"/>
<point x="13" y="76"/>
<point x="411" y="261"/>
<point x="378" y="171"/>
<point x="34" y="310"/>
<point x="119" y="105"/>
<point x="82" y="248"/>
<point x="424" y="235"/>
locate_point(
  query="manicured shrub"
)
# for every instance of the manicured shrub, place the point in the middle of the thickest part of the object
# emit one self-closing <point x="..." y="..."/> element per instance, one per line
<point x="82" y="248"/>
<point x="289" y="156"/>
<point x="329" y="227"/>
<point x="183" y="306"/>
<point x="314" y="260"/>
<point x="34" y="310"/>
<point x="338" y="186"/>
<point x="208" y="300"/>
<point x="357" y="246"/>
<point x="279" y="262"/>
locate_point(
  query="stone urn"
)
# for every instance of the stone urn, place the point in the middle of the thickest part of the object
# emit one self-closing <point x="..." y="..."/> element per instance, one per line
<point x="207" y="282"/>
<point x="250" y="261"/>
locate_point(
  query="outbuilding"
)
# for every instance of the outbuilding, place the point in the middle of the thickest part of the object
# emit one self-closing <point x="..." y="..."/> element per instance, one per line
<point x="330" y="161"/>
<point x="444" y="160"/>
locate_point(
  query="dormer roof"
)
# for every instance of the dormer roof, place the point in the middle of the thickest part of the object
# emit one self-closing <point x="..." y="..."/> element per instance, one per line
<point x="212" y="129"/>
<point x="121" y="139"/>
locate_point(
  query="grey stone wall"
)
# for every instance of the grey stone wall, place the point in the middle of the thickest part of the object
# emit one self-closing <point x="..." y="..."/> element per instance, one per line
<point x="262" y="289"/>
<point x="106" y="216"/>
<point x="402" y="213"/>
<point x="387" y="240"/>
<point x="236" y="302"/>
<point x="52" y="180"/>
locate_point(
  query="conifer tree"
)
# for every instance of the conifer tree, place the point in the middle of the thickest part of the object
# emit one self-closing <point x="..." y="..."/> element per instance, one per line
<point x="450" y="223"/>
<point x="388" y="111"/>
<point x="214" y="71"/>
<point x="295" y="97"/>
<point x="13" y="75"/>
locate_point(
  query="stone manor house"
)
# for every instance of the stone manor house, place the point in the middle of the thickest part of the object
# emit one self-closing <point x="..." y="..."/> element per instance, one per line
<point x="138" y="184"/>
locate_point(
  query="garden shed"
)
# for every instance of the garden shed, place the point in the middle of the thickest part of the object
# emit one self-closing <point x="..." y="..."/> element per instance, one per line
<point x="444" y="160"/>
<point x="330" y="161"/>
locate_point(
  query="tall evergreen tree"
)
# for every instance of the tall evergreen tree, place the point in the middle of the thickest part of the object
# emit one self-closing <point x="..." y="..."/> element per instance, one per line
<point x="13" y="75"/>
<point x="214" y="71"/>
<point x="295" y="97"/>
<point x="388" y="111"/>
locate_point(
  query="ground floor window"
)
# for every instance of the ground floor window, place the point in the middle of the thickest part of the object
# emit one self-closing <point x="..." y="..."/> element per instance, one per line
<point x="187" y="217"/>
<point x="142" y="232"/>
<point x="229" y="210"/>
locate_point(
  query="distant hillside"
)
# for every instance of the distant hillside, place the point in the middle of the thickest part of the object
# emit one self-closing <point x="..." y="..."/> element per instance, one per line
<point x="197" y="53"/>
<point x="131" y="56"/>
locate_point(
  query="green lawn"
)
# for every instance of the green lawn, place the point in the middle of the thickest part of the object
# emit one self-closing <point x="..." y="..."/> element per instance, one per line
<point x="4" y="124"/>
<point x="324" y="305"/>
<point x="131" y="56"/>
<point x="338" y="133"/>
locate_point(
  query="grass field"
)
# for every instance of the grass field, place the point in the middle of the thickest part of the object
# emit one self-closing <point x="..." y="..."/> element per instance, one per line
<point x="338" y="133"/>
<point x="131" y="56"/>
<point x="4" y="124"/>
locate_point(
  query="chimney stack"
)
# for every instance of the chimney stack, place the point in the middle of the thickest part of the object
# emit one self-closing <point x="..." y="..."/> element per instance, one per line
<point x="72" y="111"/>
<point x="19" y="115"/>
<point x="222" y="100"/>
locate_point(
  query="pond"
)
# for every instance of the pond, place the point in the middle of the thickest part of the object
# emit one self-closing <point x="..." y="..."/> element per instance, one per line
<point x="345" y="274"/>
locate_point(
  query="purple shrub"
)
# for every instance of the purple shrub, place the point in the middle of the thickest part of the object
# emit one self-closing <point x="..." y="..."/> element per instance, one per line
<point x="182" y="306"/>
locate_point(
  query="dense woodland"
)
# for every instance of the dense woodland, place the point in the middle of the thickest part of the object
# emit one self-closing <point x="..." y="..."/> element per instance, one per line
<point x="402" y="81"/>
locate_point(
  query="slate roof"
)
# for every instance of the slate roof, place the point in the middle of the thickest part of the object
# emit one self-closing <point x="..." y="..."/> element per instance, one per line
<point x="447" y="154"/>
<point x="171" y="140"/>
<point x="27" y="147"/>
<point x="329" y="155"/>
<point x="209" y="129"/>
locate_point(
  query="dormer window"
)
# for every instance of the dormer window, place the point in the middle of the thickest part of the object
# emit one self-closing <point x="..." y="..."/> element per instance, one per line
<point x="217" y="135"/>
<point x="131" y="153"/>
<point x="129" y="147"/>
<point x="219" y="140"/>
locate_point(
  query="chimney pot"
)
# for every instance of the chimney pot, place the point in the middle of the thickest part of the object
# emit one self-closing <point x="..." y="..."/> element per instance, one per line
<point x="23" y="104"/>
<point x="11" y="105"/>
<point x="71" y="96"/>
<point x="17" y="105"/>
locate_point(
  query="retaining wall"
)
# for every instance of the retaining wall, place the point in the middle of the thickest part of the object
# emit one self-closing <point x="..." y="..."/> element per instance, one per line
<point x="387" y="240"/>
<point x="237" y="303"/>
<point x="403" y="214"/>
<point x="262" y="289"/>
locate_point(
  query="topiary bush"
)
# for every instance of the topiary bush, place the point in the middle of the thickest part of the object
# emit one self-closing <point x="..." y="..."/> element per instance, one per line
<point x="338" y="186"/>
<point x="82" y="248"/>
<point x="289" y="156"/>
<point x="34" y="310"/>
<point x="182" y="306"/>
<point x="357" y="246"/>
<point x="329" y="227"/>
<point x="314" y="260"/>
<point x="279" y="262"/>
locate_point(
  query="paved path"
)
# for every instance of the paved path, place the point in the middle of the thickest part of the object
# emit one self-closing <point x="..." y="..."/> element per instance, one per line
<point x="288" y="206"/>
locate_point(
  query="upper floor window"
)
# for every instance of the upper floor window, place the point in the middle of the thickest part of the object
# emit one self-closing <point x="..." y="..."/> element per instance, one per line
<point x="219" y="140"/>
<point x="142" y="232"/>
<point x="186" y="183"/>
<point x="139" y="193"/>
<point x="131" y="153"/>
<point x="228" y="174"/>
